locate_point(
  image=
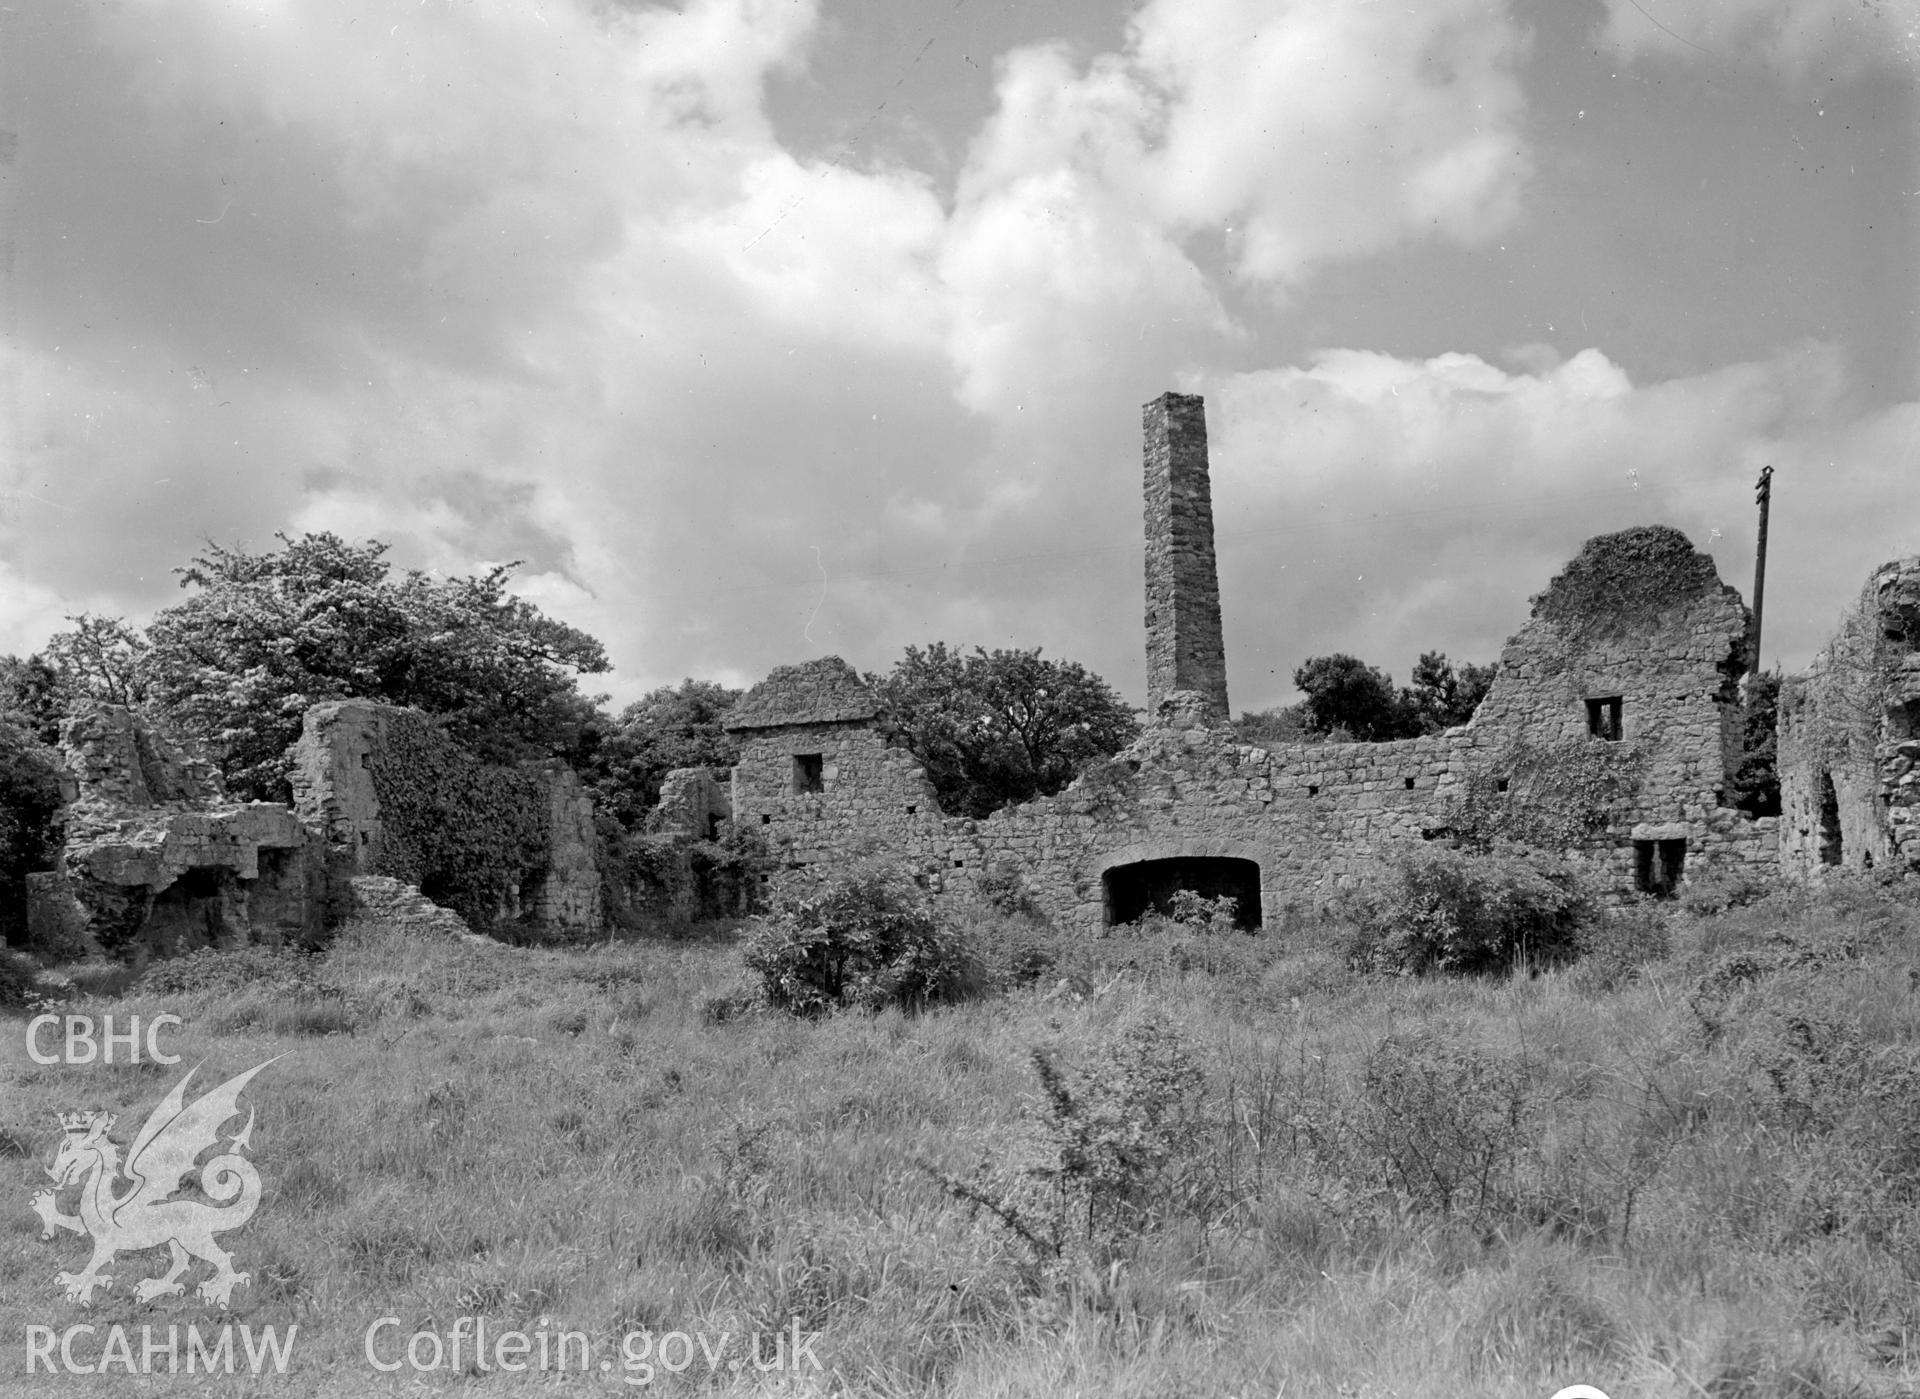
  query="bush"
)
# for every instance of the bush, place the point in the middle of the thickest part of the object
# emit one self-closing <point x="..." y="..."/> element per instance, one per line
<point x="1193" y="910"/>
<point x="1112" y="1141"/>
<point x="29" y="808"/>
<point x="18" y="984"/>
<point x="1004" y="890"/>
<point x="1011" y="950"/>
<point x="1450" y="1125"/>
<point x="230" y="971"/>
<point x="1617" y="944"/>
<point x="1113" y="1129"/>
<point x="863" y="935"/>
<point x="1461" y="911"/>
<point x="1716" y="893"/>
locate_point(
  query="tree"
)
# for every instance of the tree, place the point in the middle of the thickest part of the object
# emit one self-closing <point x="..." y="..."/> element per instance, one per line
<point x="1345" y="693"/>
<point x="98" y="658"/>
<point x="1756" y="782"/>
<point x="29" y="838"/>
<point x="268" y="635"/>
<point x="1276" y="727"/>
<point x="1000" y="727"/>
<point x="1440" y="698"/>
<point x="31" y="697"/>
<point x="1346" y="696"/>
<point x="671" y="727"/>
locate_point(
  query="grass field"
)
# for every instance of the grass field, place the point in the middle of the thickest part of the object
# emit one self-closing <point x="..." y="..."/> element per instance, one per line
<point x="1255" y="1172"/>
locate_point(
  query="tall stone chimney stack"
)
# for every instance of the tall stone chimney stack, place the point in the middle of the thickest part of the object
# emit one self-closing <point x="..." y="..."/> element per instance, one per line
<point x="1185" y="648"/>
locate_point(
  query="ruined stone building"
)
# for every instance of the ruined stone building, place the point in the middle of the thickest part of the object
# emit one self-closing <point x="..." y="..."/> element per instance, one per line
<point x="1849" y="736"/>
<point x="1611" y="733"/>
<point x="156" y="856"/>
<point x="157" y="861"/>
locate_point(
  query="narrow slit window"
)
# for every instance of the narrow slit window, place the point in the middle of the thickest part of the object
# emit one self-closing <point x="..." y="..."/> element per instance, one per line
<point x="1603" y="718"/>
<point x="1832" y="843"/>
<point x="808" y="773"/>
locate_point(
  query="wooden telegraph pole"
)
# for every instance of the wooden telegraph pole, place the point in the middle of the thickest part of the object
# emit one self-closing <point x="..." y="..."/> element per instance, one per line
<point x="1763" y="497"/>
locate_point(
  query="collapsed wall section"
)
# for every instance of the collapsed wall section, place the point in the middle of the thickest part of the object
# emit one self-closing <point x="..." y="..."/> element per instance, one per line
<point x="1849" y="738"/>
<point x="157" y="861"/>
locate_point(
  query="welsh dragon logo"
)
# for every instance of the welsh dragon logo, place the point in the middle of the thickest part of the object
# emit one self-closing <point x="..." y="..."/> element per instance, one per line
<point x="146" y="1213"/>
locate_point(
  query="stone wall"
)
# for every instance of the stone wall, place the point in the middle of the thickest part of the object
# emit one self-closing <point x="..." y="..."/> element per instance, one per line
<point x="157" y="861"/>
<point x="116" y="759"/>
<point x="566" y="894"/>
<point x="693" y="804"/>
<point x="867" y="791"/>
<point x="1849" y="738"/>
<point x="1639" y="618"/>
<point x="392" y="796"/>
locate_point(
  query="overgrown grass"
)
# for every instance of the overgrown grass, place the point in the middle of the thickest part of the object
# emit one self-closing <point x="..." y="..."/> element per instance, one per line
<point x="1243" y="1167"/>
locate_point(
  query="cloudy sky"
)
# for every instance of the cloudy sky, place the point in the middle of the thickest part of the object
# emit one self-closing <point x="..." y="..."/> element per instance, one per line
<point x="762" y="329"/>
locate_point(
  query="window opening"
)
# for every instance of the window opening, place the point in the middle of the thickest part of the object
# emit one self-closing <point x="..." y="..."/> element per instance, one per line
<point x="1658" y="865"/>
<point x="1832" y="846"/>
<point x="808" y="773"/>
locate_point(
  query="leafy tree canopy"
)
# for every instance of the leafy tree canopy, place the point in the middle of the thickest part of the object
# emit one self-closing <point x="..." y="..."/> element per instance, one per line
<point x="1442" y="698"/>
<point x="320" y="618"/>
<point x="671" y="727"/>
<point x="29" y="800"/>
<point x="97" y="658"/>
<point x="998" y="727"/>
<point x="31" y="696"/>
<point x="1349" y="700"/>
<point x="1345" y="693"/>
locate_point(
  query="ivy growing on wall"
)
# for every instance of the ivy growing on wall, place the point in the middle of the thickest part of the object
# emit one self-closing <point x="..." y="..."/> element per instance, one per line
<point x="464" y="831"/>
<point x="1843" y="724"/>
<point x="1619" y="584"/>
<point x="653" y="881"/>
<point x="1107" y="786"/>
<point x="1554" y="794"/>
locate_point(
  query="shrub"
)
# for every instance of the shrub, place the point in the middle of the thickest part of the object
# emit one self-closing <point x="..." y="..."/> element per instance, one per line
<point x="1449" y="1125"/>
<point x="1193" y="910"/>
<point x="230" y="971"/>
<point x="1709" y="894"/>
<point x="862" y="935"/>
<point x="1617" y="944"/>
<point x="1111" y="1141"/>
<point x="1462" y="911"/>
<point x="1004" y="890"/>
<point x="29" y="807"/>
<point x="18" y="984"/>
<point x="1012" y="950"/>
<point x="1114" y="1128"/>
